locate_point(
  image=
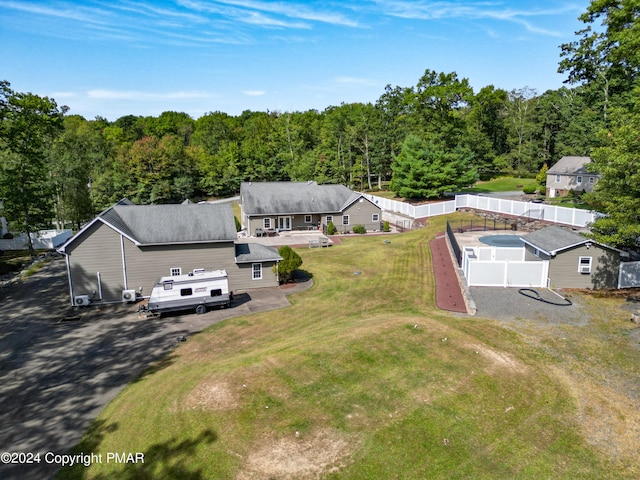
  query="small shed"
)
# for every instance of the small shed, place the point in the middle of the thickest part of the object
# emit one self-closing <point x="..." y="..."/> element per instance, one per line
<point x="575" y="261"/>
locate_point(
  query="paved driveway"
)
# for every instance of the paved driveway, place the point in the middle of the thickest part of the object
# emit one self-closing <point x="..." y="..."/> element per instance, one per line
<point x="60" y="367"/>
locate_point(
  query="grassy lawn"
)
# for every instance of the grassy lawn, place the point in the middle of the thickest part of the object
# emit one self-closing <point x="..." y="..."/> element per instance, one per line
<point x="363" y="378"/>
<point x="502" y="184"/>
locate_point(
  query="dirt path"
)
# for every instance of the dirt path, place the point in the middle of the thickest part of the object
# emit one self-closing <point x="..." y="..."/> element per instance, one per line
<point x="448" y="293"/>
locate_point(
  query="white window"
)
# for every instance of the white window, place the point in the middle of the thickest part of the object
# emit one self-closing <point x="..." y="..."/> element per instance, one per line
<point x="584" y="264"/>
<point x="345" y="220"/>
<point x="375" y="217"/>
<point x="536" y="252"/>
<point x="307" y="219"/>
<point x="175" y="271"/>
<point x="579" y="180"/>
<point x="256" y="271"/>
<point x="329" y="219"/>
<point x="266" y="223"/>
<point x="557" y="178"/>
<point x="592" y="180"/>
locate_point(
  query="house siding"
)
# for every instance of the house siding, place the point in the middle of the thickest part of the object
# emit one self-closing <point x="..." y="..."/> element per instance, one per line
<point x="297" y="222"/>
<point x="244" y="277"/>
<point x="148" y="263"/>
<point x="568" y="183"/>
<point x="99" y="250"/>
<point x="360" y="213"/>
<point x="563" y="268"/>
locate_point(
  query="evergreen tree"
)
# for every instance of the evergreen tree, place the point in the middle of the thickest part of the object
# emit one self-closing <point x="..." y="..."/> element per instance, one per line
<point x="425" y="170"/>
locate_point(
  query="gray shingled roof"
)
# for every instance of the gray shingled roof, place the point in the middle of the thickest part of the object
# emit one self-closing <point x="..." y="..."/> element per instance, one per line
<point x="554" y="239"/>
<point x="571" y="166"/>
<point x="254" y="252"/>
<point x="170" y="224"/>
<point x="268" y="198"/>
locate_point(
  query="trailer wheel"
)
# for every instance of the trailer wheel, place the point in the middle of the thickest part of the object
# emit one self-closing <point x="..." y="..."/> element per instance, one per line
<point x="200" y="309"/>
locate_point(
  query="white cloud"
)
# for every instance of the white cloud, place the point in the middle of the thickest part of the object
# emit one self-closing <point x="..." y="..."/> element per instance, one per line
<point x="500" y="11"/>
<point x="254" y="93"/>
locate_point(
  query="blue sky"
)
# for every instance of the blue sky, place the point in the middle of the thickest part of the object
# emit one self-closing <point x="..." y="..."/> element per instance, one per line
<point x="118" y="57"/>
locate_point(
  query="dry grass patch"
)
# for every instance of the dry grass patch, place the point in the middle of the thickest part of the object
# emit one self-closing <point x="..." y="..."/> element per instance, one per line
<point x="303" y="456"/>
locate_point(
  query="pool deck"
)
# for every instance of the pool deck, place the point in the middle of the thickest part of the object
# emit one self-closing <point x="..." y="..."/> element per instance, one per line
<point x="472" y="239"/>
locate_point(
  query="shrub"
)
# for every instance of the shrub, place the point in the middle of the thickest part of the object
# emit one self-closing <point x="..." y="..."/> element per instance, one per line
<point x="331" y="229"/>
<point x="289" y="263"/>
<point x="359" y="229"/>
<point x="238" y="224"/>
<point x="530" y="188"/>
<point x="386" y="227"/>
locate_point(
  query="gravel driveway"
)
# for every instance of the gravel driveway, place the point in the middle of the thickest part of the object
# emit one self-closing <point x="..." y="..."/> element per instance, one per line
<point x="508" y="304"/>
<point x="60" y="367"/>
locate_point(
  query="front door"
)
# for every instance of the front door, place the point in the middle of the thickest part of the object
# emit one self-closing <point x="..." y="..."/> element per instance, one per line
<point x="284" y="223"/>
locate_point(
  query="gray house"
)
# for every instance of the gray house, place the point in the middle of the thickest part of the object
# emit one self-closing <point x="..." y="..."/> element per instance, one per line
<point x="128" y="247"/>
<point x="570" y="174"/>
<point x="282" y="206"/>
<point x="574" y="260"/>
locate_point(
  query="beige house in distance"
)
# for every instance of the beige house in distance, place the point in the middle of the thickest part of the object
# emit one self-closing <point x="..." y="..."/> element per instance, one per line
<point x="570" y="174"/>
<point x="129" y="247"/>
<point x="272" y="207"/>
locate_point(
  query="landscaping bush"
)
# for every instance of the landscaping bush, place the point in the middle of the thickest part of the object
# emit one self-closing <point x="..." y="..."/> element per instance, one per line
<point x="386" y="227"/>
<point x="289" y="263"/>
<point x="359" y="229"/>
<point x="529" y="189"/>
<point x="331" y="229"/>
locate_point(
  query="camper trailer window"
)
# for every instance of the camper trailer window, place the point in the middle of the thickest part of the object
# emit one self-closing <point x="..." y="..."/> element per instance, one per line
<point x="184" y="292"/>
<point x="216" y="292"/>
<point x="168" y="286"/>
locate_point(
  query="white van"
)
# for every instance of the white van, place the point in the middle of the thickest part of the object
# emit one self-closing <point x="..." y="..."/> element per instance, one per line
<point x="198" y="290"/>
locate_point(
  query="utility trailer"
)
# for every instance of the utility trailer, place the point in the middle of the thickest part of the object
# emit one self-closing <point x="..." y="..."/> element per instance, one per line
<point x="196" y="290"/>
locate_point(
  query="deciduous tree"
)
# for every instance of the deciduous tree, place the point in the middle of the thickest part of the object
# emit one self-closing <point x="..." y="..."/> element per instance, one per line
<point x="28" y="126"/>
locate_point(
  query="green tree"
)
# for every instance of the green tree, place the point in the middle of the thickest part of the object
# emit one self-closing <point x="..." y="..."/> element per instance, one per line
<point x="76" y="154"/>
<point x="426" y="170"/>
<point x="606" y="59"/>
<point x="617" y="193"/>
<point x="290" y="262"/>
<point x="486" y="130"/>
<point x="28" y="126"/>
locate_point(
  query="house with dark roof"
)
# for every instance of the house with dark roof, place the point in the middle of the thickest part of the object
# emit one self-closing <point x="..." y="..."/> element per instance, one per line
<point x="128" y="247"/>
<point x="570" y="174"/>
<point x="284" y="206"/>
<point x="575" y="261"/>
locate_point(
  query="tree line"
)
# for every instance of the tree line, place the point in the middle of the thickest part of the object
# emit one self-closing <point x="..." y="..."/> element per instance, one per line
<point x="425" y="139"/>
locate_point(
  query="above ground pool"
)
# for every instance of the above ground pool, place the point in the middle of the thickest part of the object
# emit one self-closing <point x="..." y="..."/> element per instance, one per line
<point x="502" y="240"/>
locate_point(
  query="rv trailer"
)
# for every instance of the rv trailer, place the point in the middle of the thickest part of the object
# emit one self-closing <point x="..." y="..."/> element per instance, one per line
<point x="196" y="290"/>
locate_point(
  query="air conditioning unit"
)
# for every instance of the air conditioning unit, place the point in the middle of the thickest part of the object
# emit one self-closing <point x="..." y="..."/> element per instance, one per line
<point x="585" y="269"/>
<point x="81" y="300"/>
<point x="128" y="296"/>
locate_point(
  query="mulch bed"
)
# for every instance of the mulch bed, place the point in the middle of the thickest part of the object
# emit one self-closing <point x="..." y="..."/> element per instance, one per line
<point x="448" y="294"/>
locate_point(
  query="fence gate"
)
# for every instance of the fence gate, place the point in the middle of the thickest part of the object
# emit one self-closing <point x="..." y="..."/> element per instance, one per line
<point x="629" y="275"/>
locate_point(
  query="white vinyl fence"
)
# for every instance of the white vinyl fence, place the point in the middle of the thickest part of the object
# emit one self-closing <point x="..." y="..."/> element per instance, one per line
<point x="568" y="216"/>
<point x="629" y="275"/>
<point x="502" y="267"/>
<point x="44" y="239"/>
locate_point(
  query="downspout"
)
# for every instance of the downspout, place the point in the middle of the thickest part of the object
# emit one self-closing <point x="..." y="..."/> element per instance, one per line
<point x="124" y="262"/>
<point x="66" y="257"/>
<point x="99" y="287"/>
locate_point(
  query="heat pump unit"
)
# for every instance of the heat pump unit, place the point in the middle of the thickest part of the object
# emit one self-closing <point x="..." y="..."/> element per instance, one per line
<point x="128" y="296"/>
<point x="81" y="300"/>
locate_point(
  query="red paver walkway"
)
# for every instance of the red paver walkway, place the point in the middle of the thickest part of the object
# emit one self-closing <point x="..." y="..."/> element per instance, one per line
<point x="448" y="293"/>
